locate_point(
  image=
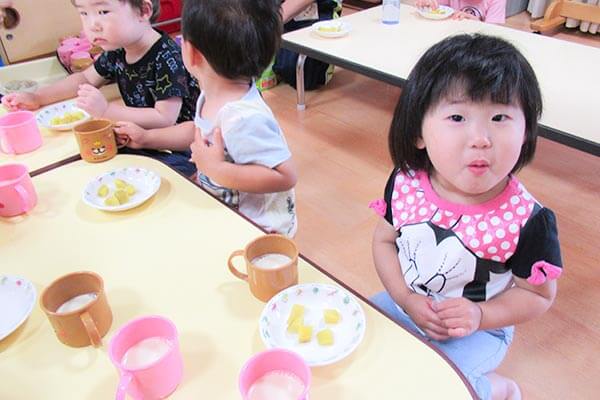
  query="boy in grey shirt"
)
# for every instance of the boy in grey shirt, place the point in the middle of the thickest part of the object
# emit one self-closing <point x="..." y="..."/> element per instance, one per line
<point x="237" y="145"/>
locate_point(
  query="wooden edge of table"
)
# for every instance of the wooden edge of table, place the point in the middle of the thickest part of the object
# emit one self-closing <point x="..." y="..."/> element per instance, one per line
<point x="77" y="157"/>
<point x="567" y="139"/>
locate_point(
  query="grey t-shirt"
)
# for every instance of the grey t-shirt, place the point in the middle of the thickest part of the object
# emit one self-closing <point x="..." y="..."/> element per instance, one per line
<point x="251" y="135"/>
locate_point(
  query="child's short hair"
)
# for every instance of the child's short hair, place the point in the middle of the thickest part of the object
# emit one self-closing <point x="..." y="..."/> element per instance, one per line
<point x="137" y="4"/>
<point x="478" y="66"/>
<point x="238" y="38"/>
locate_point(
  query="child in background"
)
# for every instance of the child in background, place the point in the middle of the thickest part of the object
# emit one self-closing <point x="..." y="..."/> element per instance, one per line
<point x="238" y="146"/>
<point x="464" y="251"/>
<point x="146" y="64"/>
<point x="297" y="14"/>
<point x="492" y="11"/>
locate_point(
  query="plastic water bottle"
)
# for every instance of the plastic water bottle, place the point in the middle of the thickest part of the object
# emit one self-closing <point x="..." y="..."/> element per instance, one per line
<point x="391" y="11"/>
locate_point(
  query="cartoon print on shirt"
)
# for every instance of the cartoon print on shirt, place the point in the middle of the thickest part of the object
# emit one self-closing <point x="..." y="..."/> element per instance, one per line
<point x="411" y="274"/>
<point x="432" y="257"/>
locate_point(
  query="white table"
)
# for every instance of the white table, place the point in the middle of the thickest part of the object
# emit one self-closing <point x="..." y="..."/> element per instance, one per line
<point x="388" y="53"/>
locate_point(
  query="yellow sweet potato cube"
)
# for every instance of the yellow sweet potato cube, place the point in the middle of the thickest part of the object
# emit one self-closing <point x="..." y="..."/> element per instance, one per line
<point x="111" y="201"/>
<point x="122" y="196"/>
<point x="304" y="333"/>
<point x="103" y="191"/>
<point x="331" y="316"/>
<point x="294" y="326"/>
<point x="325" y="337"/>
<point x="120" y="183"/>
<point x="297" y="311"/>
<point x="130" y="190"/>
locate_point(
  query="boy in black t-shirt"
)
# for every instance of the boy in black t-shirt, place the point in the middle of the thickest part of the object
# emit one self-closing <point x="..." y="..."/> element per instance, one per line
<point x="147" y="66"/>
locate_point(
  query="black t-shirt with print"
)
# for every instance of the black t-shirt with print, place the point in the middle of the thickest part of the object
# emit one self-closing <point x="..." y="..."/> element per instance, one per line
<point x="158" y="75"/>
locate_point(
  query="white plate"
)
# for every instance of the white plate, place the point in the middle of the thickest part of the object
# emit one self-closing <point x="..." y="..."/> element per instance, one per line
<point x="315" y="297"/>
<point x="443" y="12"/>
<point x="17" y="298"/>
<point x="146" y="184"/>
<point x="343" y="28"/>
<point x="45" y="115"/>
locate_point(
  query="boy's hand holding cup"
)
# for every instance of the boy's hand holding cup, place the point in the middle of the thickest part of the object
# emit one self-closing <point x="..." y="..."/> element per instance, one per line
<point x="130" y="135"/>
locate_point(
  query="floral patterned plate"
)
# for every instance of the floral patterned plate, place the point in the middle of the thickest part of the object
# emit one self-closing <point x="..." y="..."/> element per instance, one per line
<point x="315" y="297"/>
<point x="17" y="298"/>
<point x="45" y="115"/>
<point x="145" y="182"/>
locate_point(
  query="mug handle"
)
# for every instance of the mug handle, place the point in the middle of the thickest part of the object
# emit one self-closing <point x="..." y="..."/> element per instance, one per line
<point x="119" y="146"/>
<point x="5" y="144"/>
<point x="25" y="198"/>
<point x="233" y="269"/>
<point x="91" y="329"/>
<point x="124" y="383"/>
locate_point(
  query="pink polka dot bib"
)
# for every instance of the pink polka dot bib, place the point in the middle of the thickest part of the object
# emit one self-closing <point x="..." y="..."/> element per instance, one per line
<point x="490" y="230"/>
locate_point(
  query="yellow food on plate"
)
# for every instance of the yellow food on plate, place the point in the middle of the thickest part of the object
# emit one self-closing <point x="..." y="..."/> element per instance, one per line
<point x="122" y="196"/>
<point x="304" y="333"/>
<point x="330" y="28"/>
<point x="67" y="118"/>
<point x="103" y="191"/>
<point x="331" y="316"/>
<point x="111" y="201"/>
<point x="297" y="311"/>
<point x="120" y="183"/>
<point x="130" y="190"/>
<point x="294" y="325"/>
<point x="325" y="337"/>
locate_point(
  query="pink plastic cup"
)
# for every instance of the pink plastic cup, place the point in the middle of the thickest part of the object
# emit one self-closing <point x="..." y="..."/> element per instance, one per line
<point x="19" y="133"/>
<point x="155" y="380"/>
<point x="65" y="50"/>
<point x="274" y="360"/>
<point x="70" y="41"/>
<point x="80" y="55"/>
<point x="17" y="194"/>
<point x="83" y="45"/>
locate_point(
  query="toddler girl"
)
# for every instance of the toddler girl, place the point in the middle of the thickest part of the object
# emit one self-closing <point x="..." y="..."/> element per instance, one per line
<point x="463" y="250"/>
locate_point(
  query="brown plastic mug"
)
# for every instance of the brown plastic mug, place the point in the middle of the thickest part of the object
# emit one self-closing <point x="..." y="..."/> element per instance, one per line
<point x="96" y="140"/>
<point x="266" y="282"/>
<point x="83" y="326"/>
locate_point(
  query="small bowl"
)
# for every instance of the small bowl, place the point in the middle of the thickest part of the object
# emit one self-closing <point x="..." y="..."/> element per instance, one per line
<point x="25" y="85"/>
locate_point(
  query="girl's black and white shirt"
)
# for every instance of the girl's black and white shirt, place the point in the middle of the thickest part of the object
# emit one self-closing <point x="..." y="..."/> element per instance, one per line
<point x="473" y="251"/>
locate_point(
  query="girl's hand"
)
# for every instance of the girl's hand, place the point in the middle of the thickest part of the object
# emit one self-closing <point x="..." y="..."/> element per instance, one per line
<point x="21" y="101"/>
<point x="420" y="310"/>
<point x="208" y="155"/>
<point x="460" y="15"/>
<point x="130" y="134"/>
<point x="91" y="100"/>
<point x="460" y="315"/>
<point x="431" y="4"/>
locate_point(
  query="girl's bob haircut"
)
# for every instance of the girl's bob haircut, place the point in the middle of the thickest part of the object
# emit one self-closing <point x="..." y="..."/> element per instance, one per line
<point x="477" y="66"/>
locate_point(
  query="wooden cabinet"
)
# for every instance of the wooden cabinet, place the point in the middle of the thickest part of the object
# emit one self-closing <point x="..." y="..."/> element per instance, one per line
<point x="40" y="25"/>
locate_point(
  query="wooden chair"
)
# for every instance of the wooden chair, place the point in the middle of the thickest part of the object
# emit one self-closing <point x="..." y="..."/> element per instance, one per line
<point x="558" y="12"/>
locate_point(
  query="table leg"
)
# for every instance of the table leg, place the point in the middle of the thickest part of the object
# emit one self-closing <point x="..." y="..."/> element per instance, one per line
<point x="300" y="82"/>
